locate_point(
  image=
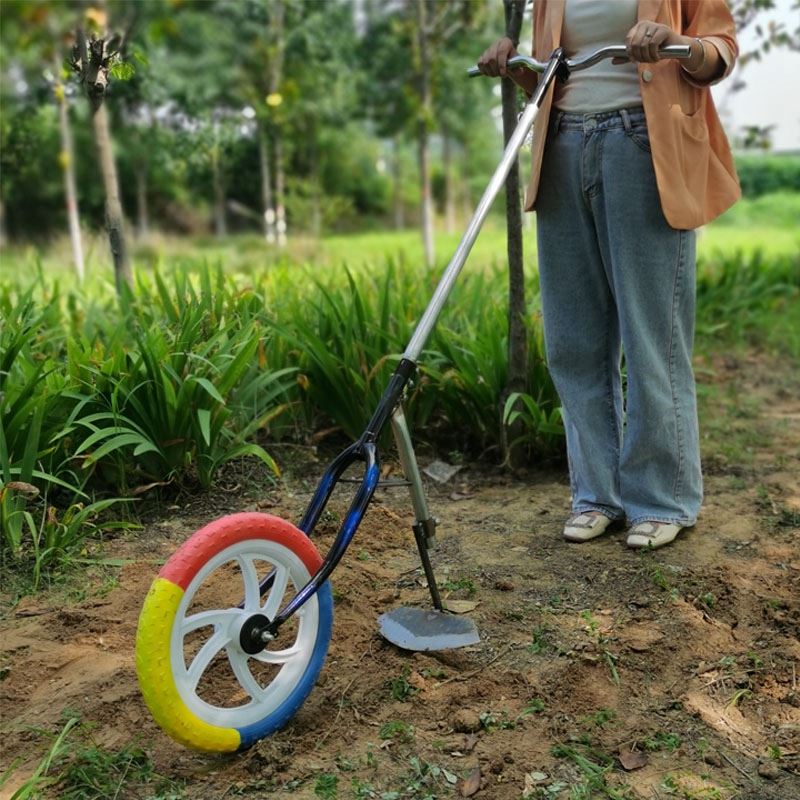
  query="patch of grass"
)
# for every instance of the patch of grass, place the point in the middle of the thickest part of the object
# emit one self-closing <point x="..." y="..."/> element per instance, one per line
<point x="396" y="730"/>
<point x="595" y="768"/>
<point x="600" y="718"/>
<point x="491" y="721"/>
<point x="41" y="779"/>
<point x="534" y="706"/>
<point x="326" y="787"/>
<point x="708" y="600"/>
<point x="600" y="641"/>
<point x="662" y="741"/>
<point x="77" y="768"/>
<point x="434" y="672"/>
<point x="675" y="786"/>
<point x="539" y="643"/>
<point x="738" y="696"/>
<point x="466" y="585"/>
<point x="362" y="790"/>
<point x="400" y="688"/>
<point x="774" y="752"/>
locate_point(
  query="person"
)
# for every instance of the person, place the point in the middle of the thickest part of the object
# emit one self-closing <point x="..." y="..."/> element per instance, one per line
<point x="628" y="159"/>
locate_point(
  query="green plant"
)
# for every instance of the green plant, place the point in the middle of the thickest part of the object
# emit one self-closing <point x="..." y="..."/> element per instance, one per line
<point x="40" y="778"/>
<point x="400" y="688"/>
<point x="539" y="643"/>
<point x="755" y="660"/>
<point x="662" y="741"/>
<point x="738" y="696"/>
<point x="600" y="717"/>
<point x="466" y="585"/>
<point x="362" y="790"/>
<point x="492" y="722"/>
<point x="94" y="773"/>
<point x="325" y="787"/>
<point x="708" y="600"/>
<point x="774" y="752"/>
<point x="398" y="730"/>
<point x="595" y="768"/>
<point x="540" y="424"/>
<point x="601" y="640"/>
<point x="534" y="706"/>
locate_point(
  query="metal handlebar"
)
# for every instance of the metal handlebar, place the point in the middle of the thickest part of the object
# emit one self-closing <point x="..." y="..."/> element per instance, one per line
<point x="573" y="64"/>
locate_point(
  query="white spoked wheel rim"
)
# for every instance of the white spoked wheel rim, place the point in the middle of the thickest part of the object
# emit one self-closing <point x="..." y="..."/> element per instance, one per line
<point x="291" y="661"/>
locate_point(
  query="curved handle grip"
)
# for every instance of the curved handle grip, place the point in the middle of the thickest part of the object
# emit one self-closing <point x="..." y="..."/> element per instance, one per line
<point x="680" y="51"/>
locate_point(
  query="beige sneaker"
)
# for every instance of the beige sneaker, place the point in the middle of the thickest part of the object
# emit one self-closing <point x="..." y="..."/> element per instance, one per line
<point x="585" y="526"/>
<point x="652" y="534"/>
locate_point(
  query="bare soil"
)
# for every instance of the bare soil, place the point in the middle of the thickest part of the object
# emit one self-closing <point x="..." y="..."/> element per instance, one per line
<point x="681" y="664"/>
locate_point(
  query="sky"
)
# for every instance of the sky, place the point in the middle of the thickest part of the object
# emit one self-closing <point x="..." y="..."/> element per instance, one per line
<point x="772" y="92"/>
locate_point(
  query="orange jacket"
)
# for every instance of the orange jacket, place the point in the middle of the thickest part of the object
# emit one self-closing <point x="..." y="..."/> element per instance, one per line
<point x="693" y="163"/>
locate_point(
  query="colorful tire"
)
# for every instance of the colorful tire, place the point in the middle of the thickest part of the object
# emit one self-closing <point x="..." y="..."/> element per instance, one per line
<point x="171" y="688"/>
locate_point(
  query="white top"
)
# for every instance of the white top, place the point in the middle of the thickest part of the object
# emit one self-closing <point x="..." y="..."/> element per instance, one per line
<point x="589" y="24"/>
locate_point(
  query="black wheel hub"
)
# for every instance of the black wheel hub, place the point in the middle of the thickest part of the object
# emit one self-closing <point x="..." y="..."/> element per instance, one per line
<point x="250" y="635"/>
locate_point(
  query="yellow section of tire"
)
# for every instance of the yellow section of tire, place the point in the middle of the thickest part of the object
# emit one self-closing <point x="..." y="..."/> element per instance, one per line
<point x="155" y="675"/>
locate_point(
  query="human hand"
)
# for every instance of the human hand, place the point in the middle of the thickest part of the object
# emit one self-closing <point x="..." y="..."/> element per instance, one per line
<point x="493" y="61"/>
<point x="644" y="40"/>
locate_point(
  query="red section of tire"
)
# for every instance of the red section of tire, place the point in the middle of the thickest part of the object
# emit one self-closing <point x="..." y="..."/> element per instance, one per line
<point x="221" y="533"/>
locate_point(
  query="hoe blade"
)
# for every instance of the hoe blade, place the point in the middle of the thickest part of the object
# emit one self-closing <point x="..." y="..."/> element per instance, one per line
<point x="424" y="629"/>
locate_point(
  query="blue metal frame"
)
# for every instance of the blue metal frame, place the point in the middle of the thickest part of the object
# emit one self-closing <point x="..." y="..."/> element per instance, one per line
<point x="366" y="450"/>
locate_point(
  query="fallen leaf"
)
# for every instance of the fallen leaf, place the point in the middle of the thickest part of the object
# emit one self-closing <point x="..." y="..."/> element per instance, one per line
<point x="461" y="606"/>
<point x="25" y="489"/>
<point x="147" y="487"/>
<point x="441" y="471"/>
<point x="631" y="760"/>
<point x="470" y="740"/>
<point x="470" y="785"/>
<point x="532" y="781"/>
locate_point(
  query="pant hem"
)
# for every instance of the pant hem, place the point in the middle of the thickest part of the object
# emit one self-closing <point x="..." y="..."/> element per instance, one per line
<point x="614" y="516"/>
<point x="682" y="521"/>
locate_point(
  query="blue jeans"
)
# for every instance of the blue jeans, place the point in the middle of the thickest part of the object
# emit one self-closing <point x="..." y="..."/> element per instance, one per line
<point x="616" y="277"/>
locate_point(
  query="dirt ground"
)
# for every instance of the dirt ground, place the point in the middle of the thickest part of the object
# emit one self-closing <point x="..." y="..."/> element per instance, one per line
<point x="600" y="672"/>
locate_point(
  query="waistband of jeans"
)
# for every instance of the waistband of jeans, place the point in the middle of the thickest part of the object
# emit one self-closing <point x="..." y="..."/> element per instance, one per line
<point x="601" y="120"/>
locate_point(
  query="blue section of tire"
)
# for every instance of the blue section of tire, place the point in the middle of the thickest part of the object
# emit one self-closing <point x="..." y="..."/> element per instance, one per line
<point x="277" y="719"/>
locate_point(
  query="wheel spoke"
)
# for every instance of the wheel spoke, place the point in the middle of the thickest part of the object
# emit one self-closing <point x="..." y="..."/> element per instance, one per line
<point x="205" y="656"/>
<point x="252" y="591"/>
<point x="279" y="584"/>
<point x="277" y="656"/>
<point x="216" y="618"/>
<point x="243" y="675"/>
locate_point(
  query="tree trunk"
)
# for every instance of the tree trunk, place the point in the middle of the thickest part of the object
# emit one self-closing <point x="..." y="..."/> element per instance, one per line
<point x="68" y="165"/>
<point x="275" y="76"/>
<point x="115" y="223"/>
<point x="94" y="74"/>
<point x="466" y="198"/>
<point x="220" y="217"/>
<point x="3" y="233"/>
<point x="425" y="116"/>
<point x="397" y="175"/>
<point x="517" y="333"/>
<point x="142" y="212"/>
<point x="316" y="181"/>
<point x="268" y="216"/>
<point x="280" y="206"/>
<point x="449" y="185"/>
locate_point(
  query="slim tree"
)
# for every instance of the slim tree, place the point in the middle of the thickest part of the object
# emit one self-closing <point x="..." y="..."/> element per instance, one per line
<point x="424" y="122"/>
<point x="517" y="333"/>
<point x="93" y="59"/>
<point x="67" y="162"/>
